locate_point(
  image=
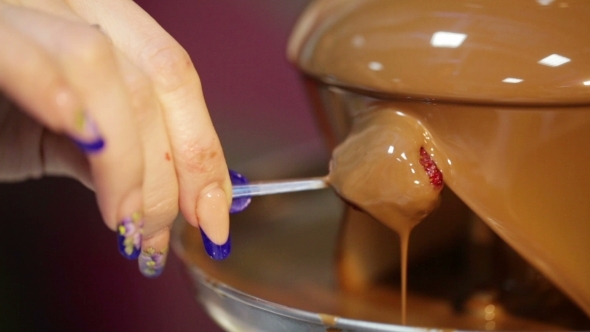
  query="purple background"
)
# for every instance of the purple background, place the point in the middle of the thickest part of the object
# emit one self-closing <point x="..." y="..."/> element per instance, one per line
<point x="59" y="267"/>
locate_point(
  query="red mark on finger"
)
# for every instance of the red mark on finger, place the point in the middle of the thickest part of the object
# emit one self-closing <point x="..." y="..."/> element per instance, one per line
<point x="167" y="156"/>
<point x="435" y="175"/>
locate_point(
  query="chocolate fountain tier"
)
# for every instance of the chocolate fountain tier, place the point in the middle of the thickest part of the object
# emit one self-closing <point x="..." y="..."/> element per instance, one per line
<point x="531" y="52"/>
<point x="500" y="91"/>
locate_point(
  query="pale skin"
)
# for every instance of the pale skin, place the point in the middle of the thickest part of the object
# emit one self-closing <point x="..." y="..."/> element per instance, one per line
<point x="112" y="61"/>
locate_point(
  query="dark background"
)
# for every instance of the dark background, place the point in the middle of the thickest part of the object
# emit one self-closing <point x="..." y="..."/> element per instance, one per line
<point x="59" y="267"/>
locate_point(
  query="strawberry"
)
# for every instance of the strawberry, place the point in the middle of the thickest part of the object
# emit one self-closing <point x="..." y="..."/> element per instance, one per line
<point x="435" y="175"/>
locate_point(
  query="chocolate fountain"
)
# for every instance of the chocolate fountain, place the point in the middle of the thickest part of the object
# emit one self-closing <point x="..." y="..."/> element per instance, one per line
<point x="494" y="96"/>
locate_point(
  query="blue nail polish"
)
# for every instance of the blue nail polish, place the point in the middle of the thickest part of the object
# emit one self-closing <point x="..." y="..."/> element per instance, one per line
<point x="215" y="251"/>
<point x="86" y="127"/>
<point x="129" y="235"/>
<point x="90" y="147"/>
<point x="238" y="204"/>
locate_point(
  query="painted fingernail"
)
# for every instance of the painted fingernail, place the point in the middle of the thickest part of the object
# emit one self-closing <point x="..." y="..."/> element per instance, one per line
<point x="87" y="137"/>
<point x="213" y="216"/>
<point x="216" y="251"/>
<point x="129" y="234"/>
<point x="238" y="204"/>
<point x="151" y="262"/>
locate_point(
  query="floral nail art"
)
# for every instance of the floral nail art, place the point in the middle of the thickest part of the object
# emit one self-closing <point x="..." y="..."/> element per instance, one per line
<point x="129" y="232"/>
<point x="91" y="139"/>
<point x="151" y="262"/>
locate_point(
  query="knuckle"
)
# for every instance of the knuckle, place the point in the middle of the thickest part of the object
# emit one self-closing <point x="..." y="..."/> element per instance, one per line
<point x="200" y="157"/>
<point x="89" y="46"/>
<point x="161" y="209"/>
<point x="170" y="64"/>
<point x="141" y="94"/>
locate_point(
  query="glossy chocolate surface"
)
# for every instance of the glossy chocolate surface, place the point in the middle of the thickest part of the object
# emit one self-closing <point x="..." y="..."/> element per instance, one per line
<point x="502" y="87"/>
<point x="531" y="52"/>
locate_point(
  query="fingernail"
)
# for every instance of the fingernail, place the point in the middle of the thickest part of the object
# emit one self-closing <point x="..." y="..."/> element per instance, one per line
<point x="216" y="251"/>
<point x="151" y="262"/>
<point x="213" y="217"/>
<point x="87" y="137"/>
<point x="238" y="204"/>
<point x="129" y="233"/>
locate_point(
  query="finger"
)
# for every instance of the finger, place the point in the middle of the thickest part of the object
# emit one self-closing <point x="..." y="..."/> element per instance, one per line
<point x="39" y="87"/>
<point x="154" y="251"/>
<point x="28" y="150"/>
<point x="200" y="165"/>
<point x="86" y="60"/>
<point x="61" y="157"/>
<point x="160" y="185"/>
<point x="41" y="90"/>
<point x="58" y="8"/>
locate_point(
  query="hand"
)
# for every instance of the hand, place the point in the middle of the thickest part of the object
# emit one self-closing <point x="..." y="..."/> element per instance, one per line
<point x="104" y="76"/>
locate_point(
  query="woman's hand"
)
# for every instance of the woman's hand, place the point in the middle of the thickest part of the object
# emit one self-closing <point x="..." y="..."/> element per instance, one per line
<point x="104" y="76"/>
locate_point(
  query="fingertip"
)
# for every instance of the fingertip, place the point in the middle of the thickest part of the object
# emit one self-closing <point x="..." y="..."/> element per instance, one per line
<point x="154" y="252"/>
<point x="151" y="262"/>
<point x="130" y="224"/>
<point x="87" y="137"/>
<point x="129" y="235"/>
<point x="238" y="204"/>
<point x="216" y="251"/>
<point x="213" y="216"/>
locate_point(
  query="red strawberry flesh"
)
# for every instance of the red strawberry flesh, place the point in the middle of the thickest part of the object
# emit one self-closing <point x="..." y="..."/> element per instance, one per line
<point x="435" y="175"/>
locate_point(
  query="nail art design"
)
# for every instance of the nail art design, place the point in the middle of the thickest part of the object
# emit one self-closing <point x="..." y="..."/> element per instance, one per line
<point x="238" y="204"/>
<point x="152" y="262"/>
<point x="92" y="140"/>
<point x="215" y="251"/>
<point x="129" y="233"/>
